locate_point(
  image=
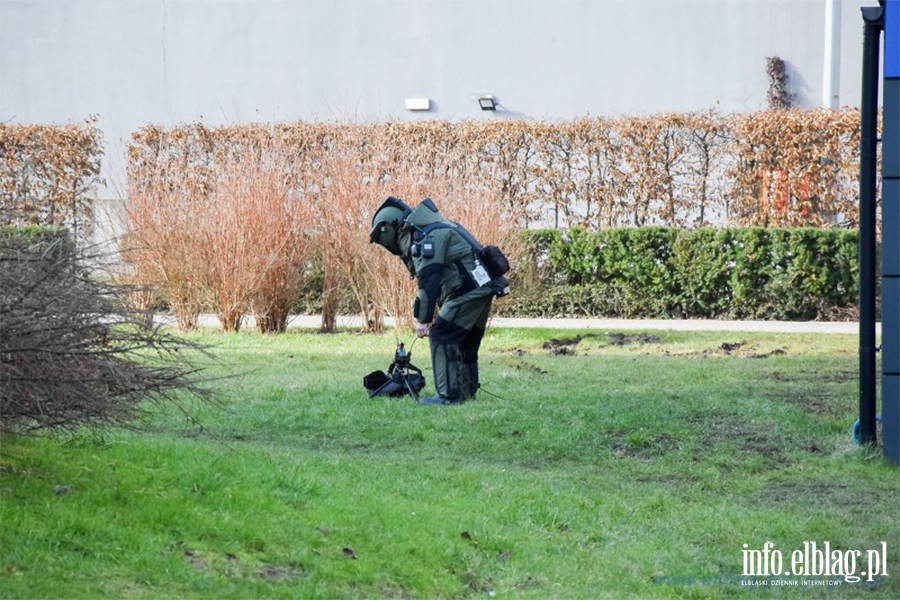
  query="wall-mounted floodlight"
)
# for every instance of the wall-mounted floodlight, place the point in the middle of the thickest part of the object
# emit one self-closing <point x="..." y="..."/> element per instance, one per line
<point x="487" y="103"/>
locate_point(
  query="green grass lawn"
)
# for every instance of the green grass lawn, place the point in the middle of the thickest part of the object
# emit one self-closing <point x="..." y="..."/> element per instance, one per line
<point x="620" y="465"/>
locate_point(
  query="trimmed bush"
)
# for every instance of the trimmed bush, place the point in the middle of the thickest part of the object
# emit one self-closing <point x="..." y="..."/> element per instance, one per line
<point x="745" y="273"/>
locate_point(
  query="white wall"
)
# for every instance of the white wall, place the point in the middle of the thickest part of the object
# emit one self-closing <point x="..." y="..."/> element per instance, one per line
<point x="134" y="62"/>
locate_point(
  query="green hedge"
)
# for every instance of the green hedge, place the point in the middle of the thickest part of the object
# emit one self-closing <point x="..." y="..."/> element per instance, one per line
<point x="49" y="241"/>
<point x="655" y="272"/>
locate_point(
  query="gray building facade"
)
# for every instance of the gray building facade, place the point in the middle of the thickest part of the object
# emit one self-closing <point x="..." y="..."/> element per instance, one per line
<point x="135" y="62"/>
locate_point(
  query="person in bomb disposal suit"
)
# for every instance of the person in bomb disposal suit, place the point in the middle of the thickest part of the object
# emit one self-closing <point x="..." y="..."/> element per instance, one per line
<point x="455" y="273"/>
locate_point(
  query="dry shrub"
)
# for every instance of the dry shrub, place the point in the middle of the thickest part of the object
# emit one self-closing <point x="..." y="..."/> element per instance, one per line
<point x="169" y="180"/>
<point x="355" y="181"/>
<point x="252" y="239"/>
<point x="163" y="243"/>
<point x="135" y="281"/>
<point x="72" y="353"/>
<point x="288" y="246"/>
<point x="348" y="170"/>
<point x="220" y="225"/>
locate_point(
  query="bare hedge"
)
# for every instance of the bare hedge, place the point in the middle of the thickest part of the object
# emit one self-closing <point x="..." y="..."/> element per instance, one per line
<point x="47" y="173"/>
<point x="786" y="167"/>
<point x="773" y="168"/>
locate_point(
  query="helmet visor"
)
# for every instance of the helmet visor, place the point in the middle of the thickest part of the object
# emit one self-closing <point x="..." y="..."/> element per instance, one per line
<point x="385" y="235"/>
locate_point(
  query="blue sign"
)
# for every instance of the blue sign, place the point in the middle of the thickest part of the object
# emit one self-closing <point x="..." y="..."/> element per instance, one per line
<point x="892" y="38"/>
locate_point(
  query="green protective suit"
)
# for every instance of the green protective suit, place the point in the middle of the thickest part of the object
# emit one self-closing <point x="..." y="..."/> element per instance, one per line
<point x="450" y="277"/>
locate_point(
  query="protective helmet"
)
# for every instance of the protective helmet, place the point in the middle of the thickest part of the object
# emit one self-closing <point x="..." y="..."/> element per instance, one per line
<point x="386" y="223"/>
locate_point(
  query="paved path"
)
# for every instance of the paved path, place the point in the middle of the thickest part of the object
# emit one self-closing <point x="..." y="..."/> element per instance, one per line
<point x="843" y="327"/>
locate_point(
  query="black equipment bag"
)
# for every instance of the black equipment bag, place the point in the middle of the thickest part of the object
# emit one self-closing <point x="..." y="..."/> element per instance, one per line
<point x="379" y="383"/>
<point x="402" y="377"/>
<point x="494" y="261"/>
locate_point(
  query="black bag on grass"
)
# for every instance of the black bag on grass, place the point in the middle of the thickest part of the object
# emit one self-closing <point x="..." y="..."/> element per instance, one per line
<point x="396" y="385"/>
<point x="402" y="378"/>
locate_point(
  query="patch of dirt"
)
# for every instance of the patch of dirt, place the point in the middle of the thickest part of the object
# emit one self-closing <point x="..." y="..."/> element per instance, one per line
<point x="562" y="347"/>
<point x="736" y="349"/>
<point x="818" y="377"/>
<point x="723" y="428"/>
<point x="521" y="366"/>
<point x="196" y="561"/>
<point x="529" y="368"/>
<point x="813" y="448"/>
<point x="279" y="572"/>
<point x="817" y="403"/>
<point x="230" y="565"/>
<point x="623" y="339"/>
<point x="626" y="443"/>
<point x="530" y="582"/>
<point x="775" y="352"/>
<point x="566" y="346"/>
<point x="729" y="347"/>
<point x="810" y="392"/>
<point x="836" y="377"/>
<point x="823" y="494"/>
<point x="783" y="377"/>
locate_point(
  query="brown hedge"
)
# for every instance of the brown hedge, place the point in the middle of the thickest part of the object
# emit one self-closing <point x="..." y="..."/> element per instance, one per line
<point x="47" y="172"/>
<point x="687" y="170"/>
<point x="787" y="167"/>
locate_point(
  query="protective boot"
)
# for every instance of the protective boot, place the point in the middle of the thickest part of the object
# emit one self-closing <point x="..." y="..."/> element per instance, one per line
<point x="468" y="380"/>
<point x="446" y="364"/>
